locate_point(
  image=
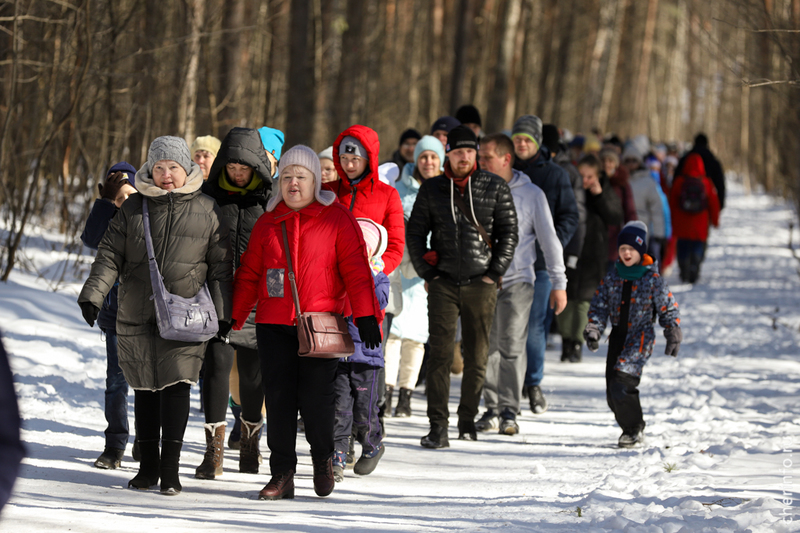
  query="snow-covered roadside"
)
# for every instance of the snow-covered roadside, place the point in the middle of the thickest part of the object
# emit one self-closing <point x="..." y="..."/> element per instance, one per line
<point x="719" y="419"/>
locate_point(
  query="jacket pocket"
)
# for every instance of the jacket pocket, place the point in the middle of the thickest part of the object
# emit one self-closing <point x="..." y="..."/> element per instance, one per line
<point x="275" y="282"/>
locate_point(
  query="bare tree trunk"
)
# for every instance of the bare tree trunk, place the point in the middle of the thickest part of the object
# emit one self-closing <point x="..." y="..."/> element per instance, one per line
<point x="231" y="79"/>
<point x="677" y="74"/>
<point x="594" y="89"/>
<point x="562" y="67"/>
<point x="437" y="17"/>
<point x="498" y="98"/>
<point x="640" y="100"/>
<point x="613" y="63"/>
<point x="464" y="32"/>
<point x="300" y="98"/>
<point x="187" y="103"/>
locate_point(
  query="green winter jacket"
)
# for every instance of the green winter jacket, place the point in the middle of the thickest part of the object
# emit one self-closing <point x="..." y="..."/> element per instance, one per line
<point x="192" y="246"/>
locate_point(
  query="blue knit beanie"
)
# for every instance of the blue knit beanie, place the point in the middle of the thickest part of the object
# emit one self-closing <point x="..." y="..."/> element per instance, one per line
<point x="125" y="168"/>
<point x="272" y="140"/>
<point x="430" y="143"/>
<point x="634" y="233"/>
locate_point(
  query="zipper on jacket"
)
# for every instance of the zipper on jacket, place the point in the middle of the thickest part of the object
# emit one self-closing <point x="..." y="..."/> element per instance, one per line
<point x="166" y="234"/>
<point x="236" y="253"/>
<point x="353" y="197"/>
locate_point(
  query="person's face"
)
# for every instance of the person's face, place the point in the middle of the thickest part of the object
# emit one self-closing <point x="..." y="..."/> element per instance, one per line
<point x="240" y="175"/>
<point x="491" y="161"/>
<point x="204" y="160"/>
<point x="124" y="191"/>
<point x="407" y="149"/>
<point x="429" y="164"/>
<point x="524" y="147"/>
<point x="610" y="166"/>
<point x="474" y="127"/>
<point x="297" y="187"/>
<point x="589" y="175"/>
<point x="462" y="161"/>
<point x="328" y="170"/>
<point x="168" y="175"/>
<point x="273" y="162"/>
<point x="441" y="135"/>
<point x="628" y="255"/>
<point x="353" y="165"/>
<point x="632" y="165"/>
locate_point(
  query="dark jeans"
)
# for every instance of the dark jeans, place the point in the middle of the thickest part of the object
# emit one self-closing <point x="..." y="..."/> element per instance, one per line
<point x="293" y="383"/>
<point x="216" y="379"/>
<point x="538" y="328"/>
<point x="116" y="397"/>
<point x="475" y="303"/>
<point x="621" y="392"/>
<point x="690" y="256"/>
<point x="357" y="394"/>
<point x="162" y="414"/>
<point x="251" y="391"/>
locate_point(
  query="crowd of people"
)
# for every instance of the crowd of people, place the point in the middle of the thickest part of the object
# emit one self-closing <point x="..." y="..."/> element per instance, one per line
<point x="459" y="254"/>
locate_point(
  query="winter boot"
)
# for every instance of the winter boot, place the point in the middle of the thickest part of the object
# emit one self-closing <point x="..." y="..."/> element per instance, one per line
<point x="339" y="464"/>
<point x="170" y="460"/>
<point x="135" y="452"/>
<point x="436" y="438"/>
<point x="467" y="430"/>
<point x="248" y="452"/>
<point x="631" y="439"/>
<point x="351" y="452"/>
<point x="403" y="409"/>
<point x="323" y="477"/>
<point x="211" y="466"/>
<point x="149" y="466"/>
<point x="109" y="459"/>
<point x="488" y="421"/>
<point x="566" y="346"/>
<point x="387" y="402"/>
<point x="236" y="430"/>
<point x="280" y="487"/>
<point x="537" y="399"/>
<point x="577" y="352"/>
<point x="368" y="461"/>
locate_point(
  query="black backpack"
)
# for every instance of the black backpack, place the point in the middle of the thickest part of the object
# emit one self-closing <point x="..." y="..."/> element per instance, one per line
<point x="693" y="198"/>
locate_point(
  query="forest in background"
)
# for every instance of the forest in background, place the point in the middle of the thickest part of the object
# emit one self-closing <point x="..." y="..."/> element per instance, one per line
<point x="86" y="83"/>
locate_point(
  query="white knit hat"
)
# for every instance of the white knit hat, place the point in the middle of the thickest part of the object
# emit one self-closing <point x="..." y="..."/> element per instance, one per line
<point x="305" y="157"/>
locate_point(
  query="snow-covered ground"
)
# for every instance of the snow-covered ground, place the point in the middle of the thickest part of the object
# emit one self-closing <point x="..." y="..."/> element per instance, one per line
<point x="720" y="455"/>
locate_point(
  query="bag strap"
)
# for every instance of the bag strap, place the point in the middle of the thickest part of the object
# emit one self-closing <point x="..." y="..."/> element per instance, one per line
<point x="291" y="270"/>
<point x="459" y="201"/>
<point x="155" y="274"/>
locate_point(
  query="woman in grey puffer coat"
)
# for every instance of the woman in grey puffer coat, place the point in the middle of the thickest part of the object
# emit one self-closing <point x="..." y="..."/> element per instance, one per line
<point x="192" y="246"/>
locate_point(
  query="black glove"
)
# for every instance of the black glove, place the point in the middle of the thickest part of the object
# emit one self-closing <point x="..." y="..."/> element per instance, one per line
<point x="674" y="338"/>
<point x="225" y="328"/>
<point x="113" y="184"/>
<point x="90" y="312"/>
<point x="369" y="331"/>
<point x="592" y="335"/>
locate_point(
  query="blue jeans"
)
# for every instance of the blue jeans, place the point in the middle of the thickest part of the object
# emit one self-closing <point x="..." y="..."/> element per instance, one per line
<point x="538" y="328"/>
<point x="116" y="396"/>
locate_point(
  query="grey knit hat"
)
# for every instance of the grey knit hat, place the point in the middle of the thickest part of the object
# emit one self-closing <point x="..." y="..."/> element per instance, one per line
<point x="327" y="153"/>
<point x="168" y="148"/>
<point x="530" y="126"/>
<point x="305" y="157"/>
<point x="351" y="145"/>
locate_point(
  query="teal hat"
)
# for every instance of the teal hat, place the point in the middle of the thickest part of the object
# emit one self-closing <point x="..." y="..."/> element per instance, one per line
<point x="272" y="140"/>
<point x="429" y="142"/>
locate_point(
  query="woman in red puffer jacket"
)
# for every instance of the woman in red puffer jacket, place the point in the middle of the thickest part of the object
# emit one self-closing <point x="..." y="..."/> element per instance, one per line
<point x="330" y="264"/>
<point x="692" y="211"/>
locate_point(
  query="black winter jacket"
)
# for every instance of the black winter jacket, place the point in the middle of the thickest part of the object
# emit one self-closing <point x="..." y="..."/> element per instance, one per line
<point x="99" y="217"/>
<point x="241" y="211"/>
<point x="463" y="256"/>
<point x="602" y="211"/>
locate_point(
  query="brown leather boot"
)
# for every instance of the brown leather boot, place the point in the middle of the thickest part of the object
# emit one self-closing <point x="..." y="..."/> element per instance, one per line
<point x="323" y="477"/>
<point x="248" y="450"/>
<point x="211" y="466"/>
<point x="280" y="487"/>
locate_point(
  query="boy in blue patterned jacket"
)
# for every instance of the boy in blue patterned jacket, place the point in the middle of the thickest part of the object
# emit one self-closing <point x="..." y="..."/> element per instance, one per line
<point x="632" y="295"/>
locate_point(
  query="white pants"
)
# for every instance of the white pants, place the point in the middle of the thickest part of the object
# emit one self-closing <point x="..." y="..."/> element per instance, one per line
<point x="405" y="355"/>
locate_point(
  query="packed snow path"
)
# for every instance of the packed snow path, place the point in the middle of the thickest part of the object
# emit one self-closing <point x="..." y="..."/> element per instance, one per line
<point x="722" y="435"/>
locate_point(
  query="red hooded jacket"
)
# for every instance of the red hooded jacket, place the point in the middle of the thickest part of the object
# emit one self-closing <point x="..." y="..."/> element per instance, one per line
<point x="370" y="197"/>
<point x="693" y="226"/>
<point x="329" y="258"/>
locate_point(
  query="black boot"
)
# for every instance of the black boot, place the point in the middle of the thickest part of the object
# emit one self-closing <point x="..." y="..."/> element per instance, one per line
<point x="109" y="459"/>
<point x="467" y="430"/>
<point x="387" y="401"/>
<point x="170" y="460"/>
<point x="403" y="409"/>
<point x="576" y="353"/>
<point x="149" y="466"/>
<point x="436" y="438"/>
<point x="566" y="348"/>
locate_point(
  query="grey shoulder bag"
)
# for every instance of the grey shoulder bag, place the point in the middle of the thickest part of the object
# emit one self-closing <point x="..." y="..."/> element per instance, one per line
<point x="179" y="319"/>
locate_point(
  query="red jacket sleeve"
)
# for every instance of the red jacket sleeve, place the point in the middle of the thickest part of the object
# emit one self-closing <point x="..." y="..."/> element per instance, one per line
<point x="351" y="254"/>
<point x="246" y="279"/>
<point x="395" y="225"/>
<point x="713" y="202"/>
